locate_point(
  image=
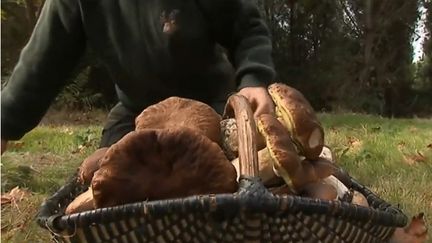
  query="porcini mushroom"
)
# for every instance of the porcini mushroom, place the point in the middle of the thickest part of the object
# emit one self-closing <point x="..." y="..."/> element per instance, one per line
<point x="230" y="138"/>
<point x="266" y="170"/>
<point x="152" y="164"/>
<point x="90" y="165"/>
<point x="331" y="176"/>
<point x="83" y="202"/>
<point x="326" y="153"/>
<point x="319" y="190"/>
<point x="287" y="163"/>
<point x="299" y="118"/>
<point x="359" y="199"/>
<point x="181" y="112"/>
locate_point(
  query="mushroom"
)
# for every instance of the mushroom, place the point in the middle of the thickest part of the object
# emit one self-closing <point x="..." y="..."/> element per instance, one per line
<point x="287" y="163"/>
<point x="299" y="118"/>
<point x="266" y="170"/>
<point x="230" y="138"/>
<point x="181" y="112"/>
<point x="153" y="164"/>
<point x="320" y="190"/>
<point x="326" y="153"/>
<point x="90" y="165"/>
<point x="83" y="202"/>
<point x="281" y="190"/>
<point x="343" y="193"/>
<point x="359" y="199"/>
<point x="343" y="176"/>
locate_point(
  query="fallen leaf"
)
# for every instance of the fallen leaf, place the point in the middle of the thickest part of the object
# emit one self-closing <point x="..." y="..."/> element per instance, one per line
<point x="429" y="146"/>
<point x="354" y="144"/>
<point x="414" y="159"/>
<point x="415" y="232"/>
<point x="401" y="146"/>
<point x="15" y="195"/>
<point x="16" y="145"/>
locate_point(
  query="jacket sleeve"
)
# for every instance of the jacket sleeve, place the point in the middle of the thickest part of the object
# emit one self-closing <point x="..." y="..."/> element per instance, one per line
<point x="45" y="64"/>
<point x="237" y="25"/>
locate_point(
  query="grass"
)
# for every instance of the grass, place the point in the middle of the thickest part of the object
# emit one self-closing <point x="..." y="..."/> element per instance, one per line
<point x="391" y="157"/>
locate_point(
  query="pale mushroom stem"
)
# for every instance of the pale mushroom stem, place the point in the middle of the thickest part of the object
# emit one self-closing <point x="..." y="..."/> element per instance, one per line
<point x="239" y="107"/>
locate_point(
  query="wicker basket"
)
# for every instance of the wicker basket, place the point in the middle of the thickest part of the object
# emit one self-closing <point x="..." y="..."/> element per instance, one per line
<point x="252" y="214"/>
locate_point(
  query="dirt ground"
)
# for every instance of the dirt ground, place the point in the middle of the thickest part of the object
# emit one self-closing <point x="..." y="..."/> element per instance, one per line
<point x="74" y="117"/>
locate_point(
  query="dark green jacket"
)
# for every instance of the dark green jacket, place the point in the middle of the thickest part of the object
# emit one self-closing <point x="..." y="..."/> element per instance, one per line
<point x="146" y="63"/>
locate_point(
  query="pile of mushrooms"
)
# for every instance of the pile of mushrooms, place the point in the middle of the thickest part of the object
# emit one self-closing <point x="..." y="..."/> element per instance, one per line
<point x="175" y="151"/>
<point x="294" y="159"/>
<point x="182" y="147"/>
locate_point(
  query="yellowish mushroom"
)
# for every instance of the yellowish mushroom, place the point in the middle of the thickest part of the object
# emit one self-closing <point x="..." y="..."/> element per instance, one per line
<point x="299" y="118"/>
<point x="297" y="173"/>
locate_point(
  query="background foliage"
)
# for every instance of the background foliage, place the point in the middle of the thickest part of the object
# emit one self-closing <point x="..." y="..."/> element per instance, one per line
<point x="343" y="55"/>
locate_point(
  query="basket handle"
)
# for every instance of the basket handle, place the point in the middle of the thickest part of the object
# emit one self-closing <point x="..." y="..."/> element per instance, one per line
<point x="239" y="107"/>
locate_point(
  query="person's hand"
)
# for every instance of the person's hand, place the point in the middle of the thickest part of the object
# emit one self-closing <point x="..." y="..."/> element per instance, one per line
<point x="260" y="100"/>
<point x="3" y="145"/>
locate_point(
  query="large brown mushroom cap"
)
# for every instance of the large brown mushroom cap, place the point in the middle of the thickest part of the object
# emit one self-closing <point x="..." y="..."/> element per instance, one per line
<point x="297" y="173"/>
<point x="181" y="112"/>
<point x="90" y="165"/>
<point x="320" y="190"/>
<point x="160" y="164"/>
<point x="299" y="118"/>
<point x="286" y="161"/>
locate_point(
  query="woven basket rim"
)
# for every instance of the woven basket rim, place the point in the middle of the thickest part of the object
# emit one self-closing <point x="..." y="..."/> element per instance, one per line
<point x="51" y="215"/>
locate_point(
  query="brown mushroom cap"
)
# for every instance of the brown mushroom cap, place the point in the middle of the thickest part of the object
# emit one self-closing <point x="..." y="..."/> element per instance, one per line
<point x="323" y="167"/>
<point x="90" y="165"/>
<point x="181" y="112"/>
<point x="320" y="190"/>
<point x="299" y="118"/>
<point x="160" y="164"/>
<point x="286" y="161"/>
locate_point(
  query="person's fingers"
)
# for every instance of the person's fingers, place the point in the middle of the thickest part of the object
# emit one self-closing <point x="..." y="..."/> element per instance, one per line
<point x="259" y="99"/>
<point x="264" y="108"/>
<point x="253" y="103"/>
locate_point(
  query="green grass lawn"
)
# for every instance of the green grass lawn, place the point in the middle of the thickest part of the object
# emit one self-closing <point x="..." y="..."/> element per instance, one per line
<point x="392" y="157"/>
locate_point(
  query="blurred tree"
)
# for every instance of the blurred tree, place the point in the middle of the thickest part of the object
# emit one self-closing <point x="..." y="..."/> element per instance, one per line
<point x="345" y="53"/>
<point x="18" y="18"/>
<point x="426" y="71"/>
<point x="92" y="86"/>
